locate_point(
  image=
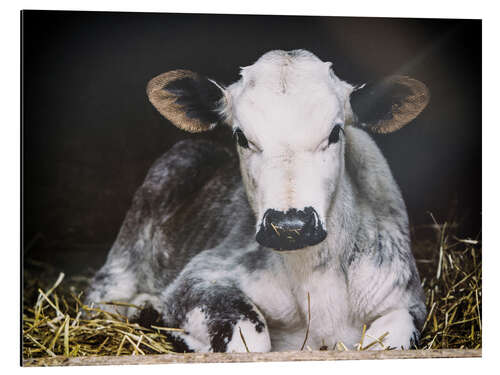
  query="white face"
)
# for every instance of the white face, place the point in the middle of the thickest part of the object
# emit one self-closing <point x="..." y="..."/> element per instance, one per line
<point x="287" y="105"/>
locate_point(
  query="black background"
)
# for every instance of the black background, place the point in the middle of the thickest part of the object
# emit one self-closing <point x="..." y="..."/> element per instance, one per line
<point x="90" y="133"/>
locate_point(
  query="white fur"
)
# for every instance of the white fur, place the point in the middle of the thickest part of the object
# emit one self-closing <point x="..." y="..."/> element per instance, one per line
<point x="292" y="164"/>
<point x="196" y="324"/>
<point x="399" y="326"/>
<point x="281" y="295"/>
<point x="255" y="341"/>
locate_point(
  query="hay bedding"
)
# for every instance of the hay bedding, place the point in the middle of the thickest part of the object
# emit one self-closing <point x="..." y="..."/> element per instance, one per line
<point x="53" y="324"/>
<point x="451" y="271"/>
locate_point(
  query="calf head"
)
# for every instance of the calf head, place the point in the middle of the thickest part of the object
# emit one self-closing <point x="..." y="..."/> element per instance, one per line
<point x="288" y="113"/>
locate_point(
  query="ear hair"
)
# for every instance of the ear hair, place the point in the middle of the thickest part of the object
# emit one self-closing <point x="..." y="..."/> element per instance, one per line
<point x="186" y="99"/>
<point x="224" y="105"/>
<point x="389" y="105"/>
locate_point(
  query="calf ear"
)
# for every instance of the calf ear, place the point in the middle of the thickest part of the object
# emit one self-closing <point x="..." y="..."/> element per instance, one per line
<point x="186" y="99"/>
<point x="387" y="106"/>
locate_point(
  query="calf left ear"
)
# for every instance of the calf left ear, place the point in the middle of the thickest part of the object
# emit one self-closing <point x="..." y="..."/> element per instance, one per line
<point x="387" y="106"/>
<point x="187" y="99"/>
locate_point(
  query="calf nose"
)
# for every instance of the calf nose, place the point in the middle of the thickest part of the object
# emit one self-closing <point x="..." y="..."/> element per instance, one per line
<point x="290" y="230"/>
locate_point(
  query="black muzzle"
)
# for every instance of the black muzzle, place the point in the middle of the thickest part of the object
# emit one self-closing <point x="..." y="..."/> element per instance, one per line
<point x="290" y="230"/>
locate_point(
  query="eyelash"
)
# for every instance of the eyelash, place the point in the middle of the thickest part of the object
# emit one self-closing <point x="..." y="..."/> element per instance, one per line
<point x="334" y="136"/>
<point x="240" y="138"/>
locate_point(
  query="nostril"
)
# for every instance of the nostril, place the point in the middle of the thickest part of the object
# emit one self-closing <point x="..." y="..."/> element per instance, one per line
<point x="312" y="216"/>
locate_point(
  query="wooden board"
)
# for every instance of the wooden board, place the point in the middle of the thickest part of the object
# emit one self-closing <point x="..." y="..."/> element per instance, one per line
<point x="249" y="357"/>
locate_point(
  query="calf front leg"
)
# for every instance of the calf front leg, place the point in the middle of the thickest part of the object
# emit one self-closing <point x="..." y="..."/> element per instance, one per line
<point x="401" y="329"/>
<point x="215" y="318"/>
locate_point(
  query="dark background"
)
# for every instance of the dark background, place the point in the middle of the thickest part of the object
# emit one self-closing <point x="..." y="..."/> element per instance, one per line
<point x="90" y="133"/>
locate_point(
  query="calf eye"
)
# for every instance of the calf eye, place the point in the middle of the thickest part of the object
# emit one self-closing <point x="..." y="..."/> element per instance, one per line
<point x="335" y="134"/>
<point x="240" y="138"/>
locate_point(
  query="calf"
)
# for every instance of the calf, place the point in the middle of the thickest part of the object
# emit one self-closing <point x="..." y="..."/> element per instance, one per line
<point x="310" y="233"/>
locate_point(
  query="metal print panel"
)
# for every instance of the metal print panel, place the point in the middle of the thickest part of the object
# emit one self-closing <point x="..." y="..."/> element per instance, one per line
<point x="249" y="184"/>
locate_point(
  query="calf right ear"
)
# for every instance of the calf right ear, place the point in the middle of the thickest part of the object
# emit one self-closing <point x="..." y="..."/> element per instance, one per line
<point x="186" y="99"/>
